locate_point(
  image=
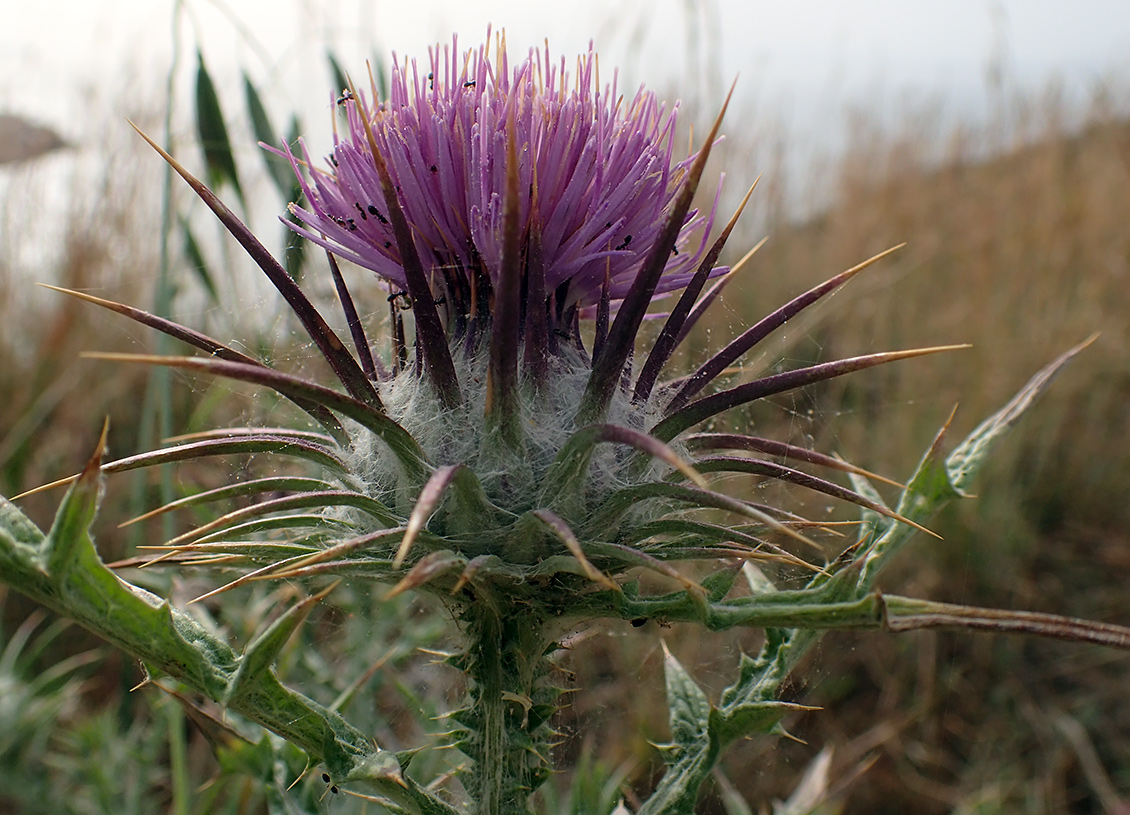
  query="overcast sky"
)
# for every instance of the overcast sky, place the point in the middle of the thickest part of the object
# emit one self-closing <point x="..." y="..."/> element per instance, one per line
<point x="797" y="55"/>
<point x="82" y="67"/>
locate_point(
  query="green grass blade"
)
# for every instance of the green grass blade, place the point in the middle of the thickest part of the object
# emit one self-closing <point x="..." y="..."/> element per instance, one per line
<point x="213" y="133"/>
<point x="196" y="262"/>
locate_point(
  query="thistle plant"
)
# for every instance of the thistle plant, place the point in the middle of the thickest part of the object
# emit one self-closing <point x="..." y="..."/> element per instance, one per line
<point x="515" y="449"/>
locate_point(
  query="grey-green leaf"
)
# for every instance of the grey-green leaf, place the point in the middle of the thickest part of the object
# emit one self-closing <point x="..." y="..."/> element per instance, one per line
<point x="687" y="705"/>
<point x="964" y="463"/>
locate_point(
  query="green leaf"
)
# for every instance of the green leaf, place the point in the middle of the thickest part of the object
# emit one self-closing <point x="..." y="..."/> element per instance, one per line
<point x="749" y="705"/>
<point x="966" y="461"/>
<point x="213" y="133"/>
<point x="62" y="571"/>
<point x="295" y="254"/>
<point x="873" y="523"/>
<point x="719" y="583"/>
<point x="692" y="753"/>
<point x="687" y="705"/>
<point x="341" y="82"/>
<point x="939" y="480"/>
<point x="749" y="718"/>
<point x="261" y="653"/>
<point x="195" y="259"/>
<point x="277" y="167"/>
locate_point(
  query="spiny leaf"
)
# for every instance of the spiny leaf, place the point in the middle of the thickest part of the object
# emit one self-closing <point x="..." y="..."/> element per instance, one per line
<point x="608" y="367"/>
<point x="262" y="651"/>
<point x="346" y="369"/>
<point x="702" y="409"/>
<point x="694" y="751"/>
<point x="170" y="642"/>
<point x="668" y="338"/>
<point x="964" y="463"/>
<point x="687" y="705"/>
<point x="745" y="719"/>
<point x="732" y="352"/>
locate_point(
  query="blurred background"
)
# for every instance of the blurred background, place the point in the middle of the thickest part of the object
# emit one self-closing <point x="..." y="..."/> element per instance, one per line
<point x="991" y="137"/>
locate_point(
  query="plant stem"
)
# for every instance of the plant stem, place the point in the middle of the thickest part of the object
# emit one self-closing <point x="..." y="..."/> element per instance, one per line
<point x="510" y="705"/>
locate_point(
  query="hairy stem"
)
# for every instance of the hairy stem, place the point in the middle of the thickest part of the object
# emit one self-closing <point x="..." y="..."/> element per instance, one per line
<point x="509" y="707"/>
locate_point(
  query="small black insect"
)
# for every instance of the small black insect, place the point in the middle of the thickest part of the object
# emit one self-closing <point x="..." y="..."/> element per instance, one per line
<point x="639" y="622"/>
<point x="346" y="96"/>
<point x="469" y="84"/>
<point x="400" y="300"/>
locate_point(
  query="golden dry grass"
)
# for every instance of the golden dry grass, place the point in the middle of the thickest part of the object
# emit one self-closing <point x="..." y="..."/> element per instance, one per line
<point x="1023" y="254"/>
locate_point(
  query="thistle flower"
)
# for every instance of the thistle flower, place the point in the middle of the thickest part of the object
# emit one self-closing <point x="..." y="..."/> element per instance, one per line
<point x="505" y="460"/>
<point x="595" y="174"/>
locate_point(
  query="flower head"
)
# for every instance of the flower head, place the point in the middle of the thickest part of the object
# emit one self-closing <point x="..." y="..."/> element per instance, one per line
<point x="505" y="203"/>
<point x="596" y="179"/>
<point x="514" y="468"/>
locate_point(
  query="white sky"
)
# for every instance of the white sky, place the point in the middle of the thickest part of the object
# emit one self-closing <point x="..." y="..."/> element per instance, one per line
<point x="83" y="67"/>
<point x="802" y="57"/>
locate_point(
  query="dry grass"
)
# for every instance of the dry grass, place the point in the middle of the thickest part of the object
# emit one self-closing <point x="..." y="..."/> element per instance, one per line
<point x="103" y="237"/>
<point x="1023" y="255"/>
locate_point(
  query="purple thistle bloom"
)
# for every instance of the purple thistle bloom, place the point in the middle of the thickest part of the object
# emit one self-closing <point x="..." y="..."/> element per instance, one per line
<point x="597" y="178"/>
<point x="524" y="487"/>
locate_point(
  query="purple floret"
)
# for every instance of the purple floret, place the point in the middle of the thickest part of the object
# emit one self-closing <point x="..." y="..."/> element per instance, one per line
<point x="597" y="176"/>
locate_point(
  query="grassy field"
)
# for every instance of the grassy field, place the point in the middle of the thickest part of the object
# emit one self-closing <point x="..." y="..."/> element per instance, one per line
<point x="1022" y="254"/>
